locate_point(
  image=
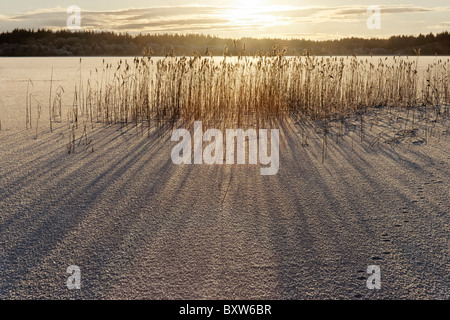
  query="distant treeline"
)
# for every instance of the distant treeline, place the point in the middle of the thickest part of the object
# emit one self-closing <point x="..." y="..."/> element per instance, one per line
<point x="21" y="42"/>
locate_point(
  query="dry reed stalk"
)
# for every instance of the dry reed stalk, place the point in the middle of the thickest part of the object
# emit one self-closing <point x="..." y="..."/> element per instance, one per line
<point x="50" y="103"/>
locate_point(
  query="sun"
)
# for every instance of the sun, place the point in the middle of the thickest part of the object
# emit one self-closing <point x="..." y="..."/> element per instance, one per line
<point x="250" y="15"/>
<point x="251" y="4"/>
<point x="246" y="10"/>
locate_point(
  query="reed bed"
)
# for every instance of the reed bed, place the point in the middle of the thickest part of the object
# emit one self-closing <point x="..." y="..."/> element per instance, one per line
<point x="251" y="91"/>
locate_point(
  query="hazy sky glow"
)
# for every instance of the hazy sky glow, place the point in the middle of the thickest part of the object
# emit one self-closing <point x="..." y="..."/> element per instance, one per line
<point x="319" y="19"/>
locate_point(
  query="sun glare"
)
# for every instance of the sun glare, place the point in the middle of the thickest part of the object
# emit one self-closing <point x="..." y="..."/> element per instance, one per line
<point x="249" y="8"/>
<point x="249" y="12"/>
<point x="250" y="4"/>
<point x="252" y="15"/>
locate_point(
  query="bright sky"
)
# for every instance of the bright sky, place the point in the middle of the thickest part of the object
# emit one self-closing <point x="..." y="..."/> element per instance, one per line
<point x="311" y="19"/>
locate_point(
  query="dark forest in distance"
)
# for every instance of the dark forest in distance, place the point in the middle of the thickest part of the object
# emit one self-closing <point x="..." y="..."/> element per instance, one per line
<point x="21" y="42"/>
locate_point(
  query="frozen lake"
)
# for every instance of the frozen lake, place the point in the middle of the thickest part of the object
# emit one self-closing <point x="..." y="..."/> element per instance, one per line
<point x="141" y="227"/>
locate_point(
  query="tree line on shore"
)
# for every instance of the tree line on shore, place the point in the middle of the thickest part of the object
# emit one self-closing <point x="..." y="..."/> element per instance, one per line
<point x="42" y="42"/>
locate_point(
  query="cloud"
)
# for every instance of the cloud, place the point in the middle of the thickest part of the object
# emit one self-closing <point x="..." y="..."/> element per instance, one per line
<point x="442" y="25"/>
<point x="214" y="19"/>
<point x="325" y="14"/>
